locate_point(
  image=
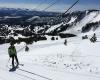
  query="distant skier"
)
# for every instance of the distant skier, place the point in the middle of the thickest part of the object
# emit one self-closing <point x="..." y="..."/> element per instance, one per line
<point x="94" y="38"/>
<point x="65" y="42"/>
<point x="26" y="48"/>
<point x="85" y="37"/>
<point x="13" y="54"/>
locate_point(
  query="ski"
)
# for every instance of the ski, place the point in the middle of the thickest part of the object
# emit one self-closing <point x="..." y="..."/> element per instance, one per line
<point x="19" y="65"/>
<point x="13" y="69"/>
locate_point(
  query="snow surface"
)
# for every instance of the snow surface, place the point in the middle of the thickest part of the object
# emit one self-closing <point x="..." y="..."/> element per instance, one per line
<point x="97" y="18"/>
<point x="89" y="18"/>
<point x="52" y="60"/>
<point x="34" y="17"/>
<point x="53" y="27"/>
<point x="12" y="17"/>
<point x="72" y="20"/>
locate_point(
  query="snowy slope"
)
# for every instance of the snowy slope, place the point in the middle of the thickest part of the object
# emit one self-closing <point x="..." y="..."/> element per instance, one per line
<point x="52" y="60"/>
<point x="53" y="27"/>
<point x="76" y="24"/>
<point x="72" y="20"/>
<point x="97" y="18"/>
<point x="89" y="18"/>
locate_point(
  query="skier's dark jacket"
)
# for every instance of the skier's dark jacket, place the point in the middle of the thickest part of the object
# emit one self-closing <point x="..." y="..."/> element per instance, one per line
<point x="12" y="51"/>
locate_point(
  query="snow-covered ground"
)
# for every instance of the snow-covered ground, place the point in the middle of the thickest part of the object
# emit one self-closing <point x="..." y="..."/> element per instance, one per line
<point x="53" y="27"/>
<point x="91" y="17"/>
<point x="52" y="60"/>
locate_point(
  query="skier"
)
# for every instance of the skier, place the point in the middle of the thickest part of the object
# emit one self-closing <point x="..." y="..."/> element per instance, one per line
<point x="26" y="48"/>
<point x="94" y="38"/>
<point x="85" y="37"/>
<point x="65" y="42"/>
<point x="13" y="54"/>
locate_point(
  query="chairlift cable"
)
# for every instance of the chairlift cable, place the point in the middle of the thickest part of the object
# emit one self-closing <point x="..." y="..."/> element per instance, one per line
<point x="70" y="7"/>
<point x="60" y="16"/>
<point x="40" y="4"/>
<point x="50" y="5"/>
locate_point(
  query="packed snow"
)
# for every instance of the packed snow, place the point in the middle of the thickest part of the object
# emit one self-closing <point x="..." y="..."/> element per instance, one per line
<point x="52" y="60"/>
<point x="72" y="20"/>
<point x="53" y="27"/>
<point x="97" y="18"/>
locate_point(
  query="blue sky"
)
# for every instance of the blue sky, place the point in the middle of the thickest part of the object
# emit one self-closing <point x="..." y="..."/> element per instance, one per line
<point x="60" y="6"/>
<point x="47" y="1"/>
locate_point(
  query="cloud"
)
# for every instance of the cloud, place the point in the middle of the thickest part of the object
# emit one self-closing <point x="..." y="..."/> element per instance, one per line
<point x="18" y="5"/>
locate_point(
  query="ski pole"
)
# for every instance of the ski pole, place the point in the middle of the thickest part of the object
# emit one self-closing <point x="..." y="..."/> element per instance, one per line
<point x="8" y="61"/>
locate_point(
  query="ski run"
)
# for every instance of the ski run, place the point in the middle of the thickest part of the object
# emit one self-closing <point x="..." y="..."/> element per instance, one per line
<point x="52" y="60"/>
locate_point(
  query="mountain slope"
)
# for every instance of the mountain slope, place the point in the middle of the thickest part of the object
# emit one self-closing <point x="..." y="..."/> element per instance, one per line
<point x="52" y="60"/>
<point x="75" y="24"/>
